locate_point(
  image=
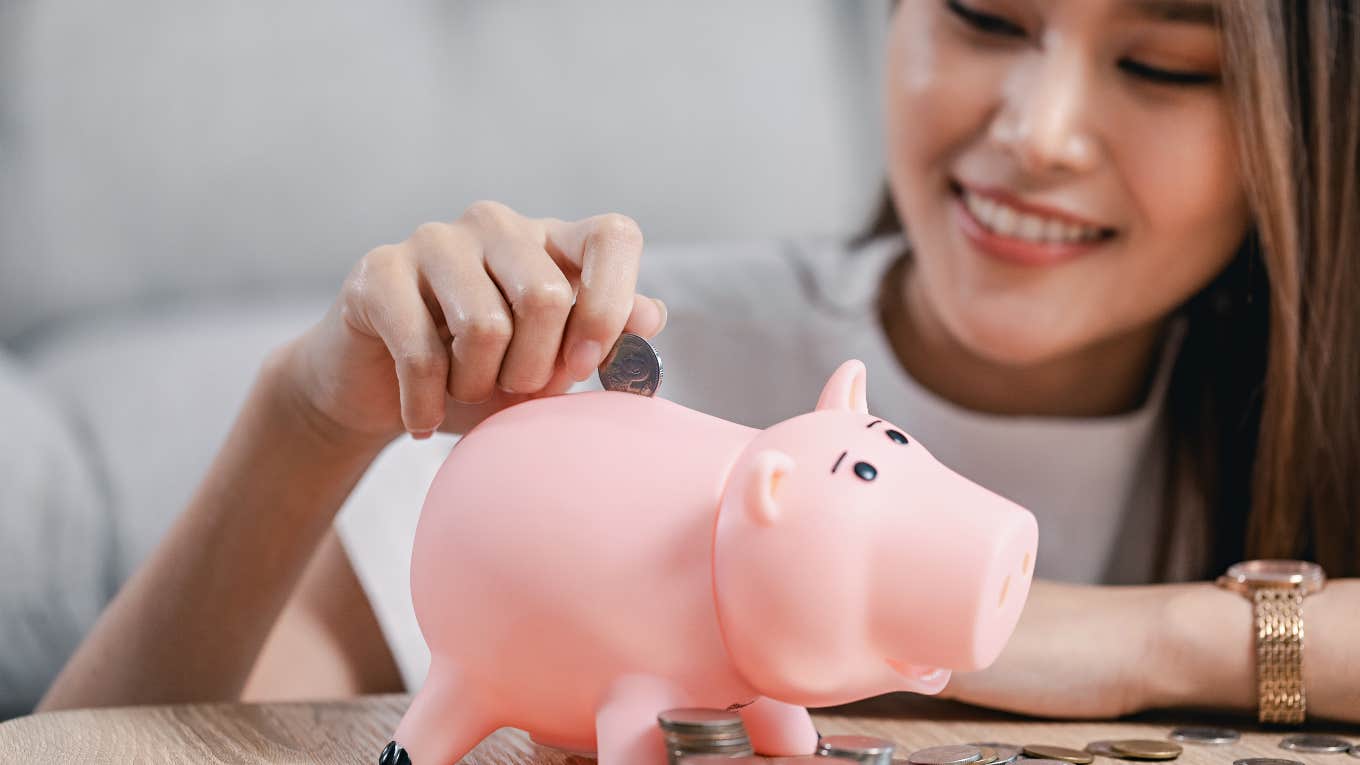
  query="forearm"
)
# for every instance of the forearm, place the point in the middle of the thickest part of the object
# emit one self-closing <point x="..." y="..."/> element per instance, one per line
<point x="1208" y="655"/>
<point x="190" y="623"/>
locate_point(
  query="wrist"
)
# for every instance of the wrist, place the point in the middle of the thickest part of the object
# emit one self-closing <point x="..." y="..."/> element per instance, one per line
<point x="1203" y="653"/>
<point x="284" y="381"/>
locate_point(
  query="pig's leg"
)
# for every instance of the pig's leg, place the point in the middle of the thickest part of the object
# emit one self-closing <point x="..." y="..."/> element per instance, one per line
<point x="778" y="729"/>
<point x="445" y="721"/>
<point x="626" y="732"/>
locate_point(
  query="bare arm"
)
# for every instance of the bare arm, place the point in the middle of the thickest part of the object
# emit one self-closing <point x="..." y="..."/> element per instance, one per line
<point x="438" y="332"/>
<point x="1099" y="652"/>
<point x="327" y="643"/>
<point x="189" y="624"/>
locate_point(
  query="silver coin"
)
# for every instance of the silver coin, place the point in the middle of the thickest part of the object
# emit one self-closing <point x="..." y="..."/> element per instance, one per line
<point x="1042" y="761"/>
<point x="631" y="366"/>
<point x="1309" y="742"/>
<point x="1005" y="753"/>
<point x="952" y="754"/>
<point x="1265" y="761"/>
<point x="1200" y="735"/>
<point x="1355" y="751"/>
<point x="864" y="749"/>
<point x="698" y="720"/>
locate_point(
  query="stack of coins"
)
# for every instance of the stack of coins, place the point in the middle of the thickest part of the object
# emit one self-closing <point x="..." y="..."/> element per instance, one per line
<point x="867" y="749"/>
<point x="703" y="731"/>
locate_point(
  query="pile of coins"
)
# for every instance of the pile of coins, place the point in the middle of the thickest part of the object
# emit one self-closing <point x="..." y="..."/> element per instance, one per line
<point x="703" y="731"/>
<point x="711" y="736"/>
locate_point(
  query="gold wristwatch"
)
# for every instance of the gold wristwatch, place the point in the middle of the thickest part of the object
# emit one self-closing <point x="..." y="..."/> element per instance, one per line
<point x="1276" y="589"/>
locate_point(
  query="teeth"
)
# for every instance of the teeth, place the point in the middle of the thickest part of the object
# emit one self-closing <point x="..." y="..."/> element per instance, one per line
<point x="1007" y="221"/>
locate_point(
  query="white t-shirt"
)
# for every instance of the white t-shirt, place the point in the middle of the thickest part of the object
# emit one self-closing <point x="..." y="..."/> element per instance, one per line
<point x="754" y="331"/>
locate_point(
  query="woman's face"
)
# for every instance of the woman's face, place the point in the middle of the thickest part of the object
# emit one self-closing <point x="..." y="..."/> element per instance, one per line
<point x="1066" y="169"/>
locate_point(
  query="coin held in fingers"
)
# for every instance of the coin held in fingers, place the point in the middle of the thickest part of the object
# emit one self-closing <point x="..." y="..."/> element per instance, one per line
<point x="631" y="366"/>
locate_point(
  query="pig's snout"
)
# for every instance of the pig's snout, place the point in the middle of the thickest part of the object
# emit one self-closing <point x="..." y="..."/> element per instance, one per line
<point x="955" y="576"/>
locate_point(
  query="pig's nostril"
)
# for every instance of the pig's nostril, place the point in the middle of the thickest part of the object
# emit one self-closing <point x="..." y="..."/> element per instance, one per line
<point x="1024" y="565"/>
<point x="1005" y="586"/>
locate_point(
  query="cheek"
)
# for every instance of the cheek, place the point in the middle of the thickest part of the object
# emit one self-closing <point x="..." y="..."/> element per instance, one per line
<point x="938" y="94"/>
<point x="1192" y="211"/>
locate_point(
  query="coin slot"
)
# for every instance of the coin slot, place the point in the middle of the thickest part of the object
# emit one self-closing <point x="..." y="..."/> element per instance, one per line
<point x="1024" y="565"/>
<point x="1005" y="586"/>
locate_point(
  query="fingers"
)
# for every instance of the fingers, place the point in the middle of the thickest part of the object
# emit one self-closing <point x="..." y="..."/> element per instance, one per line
<point x="606" y="250"/>
<point x="529" y="305"/>
<point x="647" y="318"/>
<point x="384" y="295"/>
<point x="475" y="313"/>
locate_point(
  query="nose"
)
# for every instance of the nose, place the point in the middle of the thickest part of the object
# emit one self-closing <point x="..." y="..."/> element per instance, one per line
<point x="1044" y="120"/>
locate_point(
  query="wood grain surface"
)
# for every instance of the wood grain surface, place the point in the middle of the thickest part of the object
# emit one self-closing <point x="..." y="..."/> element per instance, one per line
<point x="354" y="731"/>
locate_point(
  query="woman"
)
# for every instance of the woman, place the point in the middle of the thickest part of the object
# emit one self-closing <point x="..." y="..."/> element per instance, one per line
<point x="1133" y="227"/>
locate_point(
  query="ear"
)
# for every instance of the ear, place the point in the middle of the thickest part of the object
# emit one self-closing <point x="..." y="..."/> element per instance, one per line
<point x="846" y="389"/>
<point x="763" y="474"/>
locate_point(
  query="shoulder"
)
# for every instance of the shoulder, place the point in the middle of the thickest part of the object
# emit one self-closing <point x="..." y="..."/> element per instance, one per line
<point x="745" y="319"/>
<point x="756" y="279"/>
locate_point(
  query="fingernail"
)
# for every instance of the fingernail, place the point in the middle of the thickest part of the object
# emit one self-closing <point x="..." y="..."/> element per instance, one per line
<point x="585" y="356"/>
<point x="662" y="308"/>
<point x="421" y="435"/>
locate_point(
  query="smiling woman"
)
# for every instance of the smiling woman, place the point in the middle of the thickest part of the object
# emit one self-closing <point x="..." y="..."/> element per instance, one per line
<point x="1112" y="280"/>
<point x="1074" y="175"/>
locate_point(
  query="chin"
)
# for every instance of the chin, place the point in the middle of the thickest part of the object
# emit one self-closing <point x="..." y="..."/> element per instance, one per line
<point x="1009" y="338"/>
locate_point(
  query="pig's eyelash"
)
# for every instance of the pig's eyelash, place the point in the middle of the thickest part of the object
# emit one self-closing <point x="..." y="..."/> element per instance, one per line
<point x="839" y="460"/>
<point x="875" y="422"/>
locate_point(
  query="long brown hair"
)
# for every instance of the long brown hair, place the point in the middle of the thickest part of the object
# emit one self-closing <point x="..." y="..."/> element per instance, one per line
<point x="1262" y="416"/>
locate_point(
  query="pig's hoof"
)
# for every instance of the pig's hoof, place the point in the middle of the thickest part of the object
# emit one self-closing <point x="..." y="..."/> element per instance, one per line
<point x="393" y="755"/>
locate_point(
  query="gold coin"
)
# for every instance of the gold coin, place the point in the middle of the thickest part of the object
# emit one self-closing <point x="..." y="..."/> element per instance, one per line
<point x="1147" y="749"/>
<point x="1044" y="752"/>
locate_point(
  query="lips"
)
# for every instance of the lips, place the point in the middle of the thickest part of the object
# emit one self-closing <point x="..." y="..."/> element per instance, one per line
<point x="1010" y="229"/>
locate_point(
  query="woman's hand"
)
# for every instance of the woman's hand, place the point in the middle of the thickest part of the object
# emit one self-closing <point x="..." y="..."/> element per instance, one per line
<point x="466" y="318"/>
<point x="1078" y="651"/>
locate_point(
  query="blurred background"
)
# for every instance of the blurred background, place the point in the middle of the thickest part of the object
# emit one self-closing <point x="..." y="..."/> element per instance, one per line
<point x="183" y="186"/>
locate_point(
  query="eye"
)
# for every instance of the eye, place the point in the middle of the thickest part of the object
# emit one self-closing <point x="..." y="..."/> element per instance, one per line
<point x="897" y="436"/>
<point x="984" y="22"/>
<point x="866" y="471"/>
<point x="1165" y="76"/>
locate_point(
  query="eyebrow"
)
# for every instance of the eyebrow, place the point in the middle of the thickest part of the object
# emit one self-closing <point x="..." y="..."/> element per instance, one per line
<point x="875" y="422"/>
<point x="839" y="460"/>
<point x="1178" y="11"/>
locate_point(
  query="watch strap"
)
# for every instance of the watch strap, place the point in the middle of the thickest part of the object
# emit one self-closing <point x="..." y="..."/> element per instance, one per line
<point x="1279" y="655"/>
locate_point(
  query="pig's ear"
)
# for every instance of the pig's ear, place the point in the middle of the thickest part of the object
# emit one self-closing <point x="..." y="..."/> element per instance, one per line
<point x="764" y="472"/>
<point x="846" y="389"/>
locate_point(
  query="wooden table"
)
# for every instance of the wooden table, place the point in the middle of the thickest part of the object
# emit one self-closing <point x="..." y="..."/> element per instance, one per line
<point x="354" y="731"/>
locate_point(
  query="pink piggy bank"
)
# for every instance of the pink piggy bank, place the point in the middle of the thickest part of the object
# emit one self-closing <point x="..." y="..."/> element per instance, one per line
<point x="586" y="561"/>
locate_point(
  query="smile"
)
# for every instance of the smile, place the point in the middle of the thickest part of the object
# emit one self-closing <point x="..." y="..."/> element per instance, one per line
<point x="1030" y="225"/>
<point x="1022" y="232"/>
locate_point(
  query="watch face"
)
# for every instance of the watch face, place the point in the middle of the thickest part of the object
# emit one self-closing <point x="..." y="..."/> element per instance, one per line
<point x="1280" y="573"/>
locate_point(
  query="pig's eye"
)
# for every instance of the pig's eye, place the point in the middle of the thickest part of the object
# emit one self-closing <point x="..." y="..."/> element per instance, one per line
<point x="897" y="436"/>
<point x="866" y="471"/>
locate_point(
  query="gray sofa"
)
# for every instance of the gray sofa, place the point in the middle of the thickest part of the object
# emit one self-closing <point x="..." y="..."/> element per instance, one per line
<point x="184" y="185"/>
